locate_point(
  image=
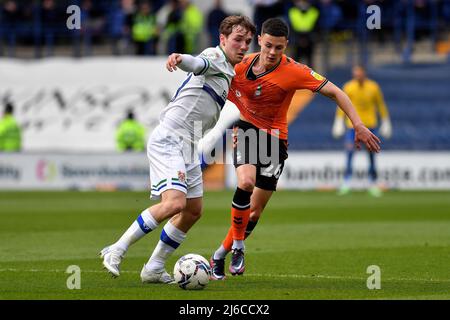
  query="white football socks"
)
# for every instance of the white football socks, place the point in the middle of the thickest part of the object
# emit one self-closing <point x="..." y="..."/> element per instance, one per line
<point x="220" y="253"/>
<point x="238" y="244"/>
<point x="171" y="238"/>
<point x="138" y="229"/>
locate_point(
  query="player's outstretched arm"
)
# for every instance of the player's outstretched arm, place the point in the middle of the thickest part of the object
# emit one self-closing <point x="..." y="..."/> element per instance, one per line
<point x="362" y="134"/>
<point x="185" y="62"/>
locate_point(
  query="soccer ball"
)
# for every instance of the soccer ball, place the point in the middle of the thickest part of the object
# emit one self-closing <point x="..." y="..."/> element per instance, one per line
<point x="192" y="272"/>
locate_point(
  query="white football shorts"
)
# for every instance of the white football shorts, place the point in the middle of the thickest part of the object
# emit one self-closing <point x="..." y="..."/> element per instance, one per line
<point x="174" y="165"/>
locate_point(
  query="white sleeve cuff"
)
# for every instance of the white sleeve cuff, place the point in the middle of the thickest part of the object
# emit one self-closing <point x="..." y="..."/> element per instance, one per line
<point x="197" y="65"/>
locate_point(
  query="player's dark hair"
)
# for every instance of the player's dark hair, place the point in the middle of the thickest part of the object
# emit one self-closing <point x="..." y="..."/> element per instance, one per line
<point x="359" y="66"/>
<point x="275" y="27"/>
<point x="9" y="108"/>
<point x="130" y="115"/>
<point x="227" y="24"/>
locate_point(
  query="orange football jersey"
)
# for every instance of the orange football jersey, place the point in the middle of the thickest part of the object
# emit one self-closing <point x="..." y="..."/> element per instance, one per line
<point x="264" y="99"/>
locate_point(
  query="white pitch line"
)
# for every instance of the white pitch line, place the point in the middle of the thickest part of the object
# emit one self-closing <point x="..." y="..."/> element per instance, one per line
<point x="258" y="275"/>
<point x="59" y="271"/>
<point x="341" y="277"/>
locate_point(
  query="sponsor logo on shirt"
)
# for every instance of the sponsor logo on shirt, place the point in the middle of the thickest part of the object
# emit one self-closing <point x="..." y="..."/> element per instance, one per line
<point x="317" y="76"/>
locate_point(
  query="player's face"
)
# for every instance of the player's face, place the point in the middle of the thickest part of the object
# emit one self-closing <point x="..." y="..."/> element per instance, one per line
<point x="359" y="73"/>
<point x="236" y="44"/>
<point x="272" y="49"/>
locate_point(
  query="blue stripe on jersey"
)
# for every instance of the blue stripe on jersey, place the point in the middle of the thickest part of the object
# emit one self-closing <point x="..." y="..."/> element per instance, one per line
<point x="165" y="238"/>
<point x="214" y="95"/>
<point x="181" y="87"/>
<point x="204" y="68"/>
<point x="146" y="229"/>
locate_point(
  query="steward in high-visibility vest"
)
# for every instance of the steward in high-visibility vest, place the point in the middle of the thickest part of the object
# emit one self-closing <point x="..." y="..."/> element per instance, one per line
<point x="172" y="33"/>
<point x="10" y="131"/>
<point x="303" y="18"/>
<point x="144" y="30"/>
<point x="191" y="26"/>
<point x="130" y="135"/>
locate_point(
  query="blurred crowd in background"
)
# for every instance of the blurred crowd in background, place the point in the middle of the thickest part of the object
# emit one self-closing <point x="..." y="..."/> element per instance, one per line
<point x="159" y="27"/>
<point x="408" y="56"/>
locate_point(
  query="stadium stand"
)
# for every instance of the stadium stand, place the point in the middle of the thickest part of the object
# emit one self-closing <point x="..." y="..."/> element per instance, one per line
<point x="419" y="109"/>
<point x="417" y="94"/>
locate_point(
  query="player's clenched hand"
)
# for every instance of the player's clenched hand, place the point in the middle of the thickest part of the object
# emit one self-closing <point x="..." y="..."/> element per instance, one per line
<point x="172" y="61"/>
<point x="364" y="135"/>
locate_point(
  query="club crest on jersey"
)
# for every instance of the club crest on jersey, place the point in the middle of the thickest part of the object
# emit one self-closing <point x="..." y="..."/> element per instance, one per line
<point x="211" y="55"/>
<point x="238" y="94"/>
<point x="317" y="76"/>
<point x="181" y="176"/>
<point x="258" y="91"/>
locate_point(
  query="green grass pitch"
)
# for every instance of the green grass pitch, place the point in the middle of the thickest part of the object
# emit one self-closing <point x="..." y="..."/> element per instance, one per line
<point x="308" y="245"/>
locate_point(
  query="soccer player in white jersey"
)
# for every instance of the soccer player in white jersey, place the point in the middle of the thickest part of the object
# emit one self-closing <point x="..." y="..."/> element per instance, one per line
<point x="175" y="171"/>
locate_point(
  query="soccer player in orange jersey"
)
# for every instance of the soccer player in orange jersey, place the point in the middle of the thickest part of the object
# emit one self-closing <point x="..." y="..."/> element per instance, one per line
<point x="262" y="89"/>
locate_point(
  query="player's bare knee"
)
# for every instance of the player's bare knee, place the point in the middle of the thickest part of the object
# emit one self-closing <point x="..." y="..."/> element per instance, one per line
<point x="247" y="184"/>
<point x="178" y="205"/>
<point x="174" y="206"/>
